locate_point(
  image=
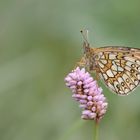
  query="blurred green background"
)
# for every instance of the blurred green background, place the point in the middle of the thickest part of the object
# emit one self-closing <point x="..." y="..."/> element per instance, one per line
<point x="40" y="43"/>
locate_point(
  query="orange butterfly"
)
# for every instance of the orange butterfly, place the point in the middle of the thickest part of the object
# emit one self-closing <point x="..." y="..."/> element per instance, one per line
<point x="118" y="66"/>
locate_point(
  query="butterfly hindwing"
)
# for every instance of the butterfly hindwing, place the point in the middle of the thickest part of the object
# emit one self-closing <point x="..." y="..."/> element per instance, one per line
<point x="118" y="66"/>
<point x="120" y="69"/>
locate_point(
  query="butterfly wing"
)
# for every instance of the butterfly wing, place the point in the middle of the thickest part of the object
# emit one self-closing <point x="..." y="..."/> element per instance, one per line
<point x="120" y="68"/>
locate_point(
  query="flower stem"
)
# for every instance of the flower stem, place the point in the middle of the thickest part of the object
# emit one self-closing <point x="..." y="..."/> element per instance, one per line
<point x="96" y="130"/>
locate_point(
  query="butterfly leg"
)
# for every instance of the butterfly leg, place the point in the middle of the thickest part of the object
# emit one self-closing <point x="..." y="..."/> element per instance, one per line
<point x="80" y="63"/>
<point x="97" y="77"/>
<point x="96" y="72"/>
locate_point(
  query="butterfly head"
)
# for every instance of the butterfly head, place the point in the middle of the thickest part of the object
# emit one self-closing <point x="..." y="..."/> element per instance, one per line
<point x="89" y="56"/>
<point x="89" y="53"/>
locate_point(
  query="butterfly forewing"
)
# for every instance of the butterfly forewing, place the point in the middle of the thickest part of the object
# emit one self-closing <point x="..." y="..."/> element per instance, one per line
<point x="120" y="68"/>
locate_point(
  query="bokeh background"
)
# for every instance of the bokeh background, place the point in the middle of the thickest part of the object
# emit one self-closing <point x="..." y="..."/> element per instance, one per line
<point x="40" y="43"/>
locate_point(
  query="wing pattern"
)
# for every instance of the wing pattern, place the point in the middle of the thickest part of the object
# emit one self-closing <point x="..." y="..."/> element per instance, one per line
<point x="120" y="70"/>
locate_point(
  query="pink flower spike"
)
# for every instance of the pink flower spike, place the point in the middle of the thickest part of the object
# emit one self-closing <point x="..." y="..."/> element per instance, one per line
<point x="87" y="93"/>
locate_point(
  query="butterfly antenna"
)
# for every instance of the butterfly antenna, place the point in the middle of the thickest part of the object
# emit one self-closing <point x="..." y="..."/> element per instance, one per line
<point x="85" y="36"/>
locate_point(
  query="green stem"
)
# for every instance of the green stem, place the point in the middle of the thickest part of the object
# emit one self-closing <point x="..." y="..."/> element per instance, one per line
<point x="96" y="130"/>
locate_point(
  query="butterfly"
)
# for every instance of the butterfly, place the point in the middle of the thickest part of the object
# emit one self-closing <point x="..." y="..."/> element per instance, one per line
<point x="118" y="66"/>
